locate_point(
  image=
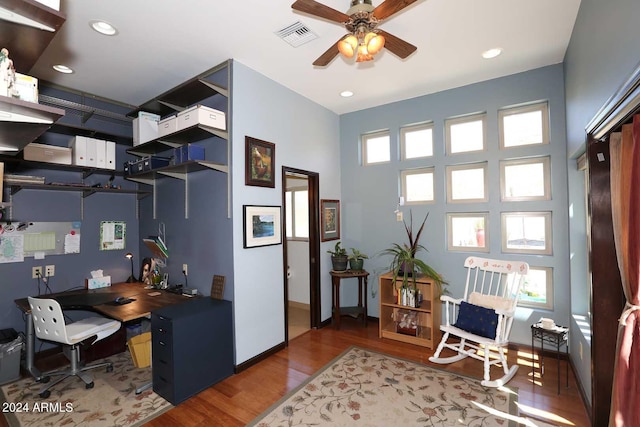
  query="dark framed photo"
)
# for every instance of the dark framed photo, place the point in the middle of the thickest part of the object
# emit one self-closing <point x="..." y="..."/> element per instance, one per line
<point x="329" y="220"/>
<point x="262" y="226"/>
<point x="260" y="161"/>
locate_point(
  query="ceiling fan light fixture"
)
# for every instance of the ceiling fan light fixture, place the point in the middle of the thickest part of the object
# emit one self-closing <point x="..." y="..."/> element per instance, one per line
<point x="363" y="54"/>
<point x="374" y="42"/>
<point x="348" y="45"/>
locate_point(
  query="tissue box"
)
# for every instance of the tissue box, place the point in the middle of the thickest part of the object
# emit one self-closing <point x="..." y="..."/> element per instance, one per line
<point x="98" y="282"/>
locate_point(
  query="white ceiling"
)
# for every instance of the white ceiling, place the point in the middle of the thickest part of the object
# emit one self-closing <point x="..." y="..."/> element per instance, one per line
<point x="162" y="43"/>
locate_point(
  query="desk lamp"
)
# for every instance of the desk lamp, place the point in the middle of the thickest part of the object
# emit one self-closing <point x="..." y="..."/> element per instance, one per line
<point x="131" y="278"/>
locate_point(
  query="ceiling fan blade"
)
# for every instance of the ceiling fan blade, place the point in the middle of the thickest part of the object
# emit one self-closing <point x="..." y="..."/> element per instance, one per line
<point x="318" y="9"/>
<point x="396" y="45"/>
<point x="389" y="7"/>
<point x="324" y="59"/>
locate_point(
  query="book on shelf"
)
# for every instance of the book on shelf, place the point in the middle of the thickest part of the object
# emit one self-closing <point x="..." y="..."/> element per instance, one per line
<point x="157" y="246"/>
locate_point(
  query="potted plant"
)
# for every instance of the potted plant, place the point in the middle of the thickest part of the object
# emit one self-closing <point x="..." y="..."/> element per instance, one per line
<point x="356" y="259"/>
<point x="339" y="258"/>
<point x="404" y="262"/>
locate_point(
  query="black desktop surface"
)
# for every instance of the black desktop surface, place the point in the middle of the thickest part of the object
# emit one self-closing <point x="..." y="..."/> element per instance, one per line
<point x="84" y="300"/>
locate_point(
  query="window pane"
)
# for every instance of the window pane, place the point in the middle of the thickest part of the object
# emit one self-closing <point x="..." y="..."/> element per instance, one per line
<point x="468" y="232"/>
<point x="377" y="149"/>
<point x="467" y="136"/>
<point x="418" y="143"/>
<point x="288" y="196"/>
<point x="419" y="187"/>
<point x="523" y="129"/>
<point x="527" y="232"/>
<point x="301" y="204"/>
<point x="526" y="179"/>
<point x="537" y="289"/>
<point x="467" y="184"/>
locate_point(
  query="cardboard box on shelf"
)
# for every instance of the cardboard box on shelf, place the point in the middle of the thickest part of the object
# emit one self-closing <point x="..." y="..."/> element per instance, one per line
<point x="47" y="153"/>
<point x="145" y="127"/>
<point x="199" y="114"/>
<point x="27" y="88"/>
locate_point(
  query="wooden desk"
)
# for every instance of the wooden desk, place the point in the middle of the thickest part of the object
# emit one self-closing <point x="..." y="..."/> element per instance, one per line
<point x="101" y="301"/>
<point x="336" y="278"/>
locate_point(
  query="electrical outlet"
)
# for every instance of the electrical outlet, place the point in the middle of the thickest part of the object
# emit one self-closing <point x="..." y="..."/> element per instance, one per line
<point x="185" y="269"/>
<point x="36" y="272"/>
<point x="50" y="271"/>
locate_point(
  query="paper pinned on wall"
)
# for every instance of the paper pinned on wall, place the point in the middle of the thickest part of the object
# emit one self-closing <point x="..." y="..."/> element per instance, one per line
<point x="112" y="235"/>
<point x="72" y="243"/>
<point x="11" y="248"/>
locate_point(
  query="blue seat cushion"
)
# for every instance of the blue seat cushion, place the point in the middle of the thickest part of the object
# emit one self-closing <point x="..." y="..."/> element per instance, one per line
<point x="477" y="320"/>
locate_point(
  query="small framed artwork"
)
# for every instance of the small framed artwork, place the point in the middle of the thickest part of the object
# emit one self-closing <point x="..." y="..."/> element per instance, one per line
<point x="262" y="226"/>
<point x="260" y="161"/>
<point x="329" y="220"/>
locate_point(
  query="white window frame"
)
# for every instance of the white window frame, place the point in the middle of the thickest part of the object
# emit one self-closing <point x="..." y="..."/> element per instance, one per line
<point x="546" y="170"/>
<point x="451" y="169"/>
<point x="548" y="238"/>
<point x="548" y="304"/>
<point x="452" y="246"/>
<point x="403" y="184"/>
<point x="365" y="139"/>
<point x="448" y="123"/>
<point x="543" y="107"/>
<point x="410" y="129"/>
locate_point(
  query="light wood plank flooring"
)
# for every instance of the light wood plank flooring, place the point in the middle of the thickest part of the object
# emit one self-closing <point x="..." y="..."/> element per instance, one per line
<point x="240" y="398"/>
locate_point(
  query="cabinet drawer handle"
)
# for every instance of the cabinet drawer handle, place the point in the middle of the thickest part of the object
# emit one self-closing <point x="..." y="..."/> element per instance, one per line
<point x="163" y="380"/>
<point x="161" y="330"/>
<point x="161" y="343"/>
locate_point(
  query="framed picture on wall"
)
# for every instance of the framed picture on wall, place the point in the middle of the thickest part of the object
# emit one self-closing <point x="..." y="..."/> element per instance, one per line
<point x="262" y="226"/>
<point x="260" y="161"/>
<point x="329" y="220"/>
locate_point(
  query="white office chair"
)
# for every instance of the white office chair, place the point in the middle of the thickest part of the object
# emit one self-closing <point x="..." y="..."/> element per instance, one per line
<point x="49" y="325"/>
<point x="484" y="316"/>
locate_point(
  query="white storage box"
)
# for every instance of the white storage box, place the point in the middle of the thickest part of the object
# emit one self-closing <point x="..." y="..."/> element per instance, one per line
<point x="145" y="127"/>
<point x="200" y="114"/>
<point x="47" y="153"/>
<point x="27" y="87"/>
<point x="78" y="147"/>
<point x="167" y="126"/>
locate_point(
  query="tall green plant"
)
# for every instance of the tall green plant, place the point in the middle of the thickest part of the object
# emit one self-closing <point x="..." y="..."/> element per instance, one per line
<point x="404" y="262"/>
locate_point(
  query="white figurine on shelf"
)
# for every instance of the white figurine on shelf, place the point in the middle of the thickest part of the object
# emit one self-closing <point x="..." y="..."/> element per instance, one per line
<point x="7" y="74"/>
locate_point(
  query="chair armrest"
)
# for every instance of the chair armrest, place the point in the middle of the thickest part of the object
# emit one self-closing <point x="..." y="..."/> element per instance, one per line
<point x="447" y="298"/>
<point x="504" y="312"/>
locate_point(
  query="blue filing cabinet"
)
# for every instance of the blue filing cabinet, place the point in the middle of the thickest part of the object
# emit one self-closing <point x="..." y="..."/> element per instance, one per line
<point x="192" y="347"/>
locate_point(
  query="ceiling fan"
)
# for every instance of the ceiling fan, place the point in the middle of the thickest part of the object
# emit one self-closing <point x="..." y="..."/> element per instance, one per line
<point x="361" y="21"/>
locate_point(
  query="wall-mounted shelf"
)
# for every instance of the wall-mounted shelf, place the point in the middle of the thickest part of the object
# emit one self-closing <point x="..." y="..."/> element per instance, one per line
<point x="176" y="139"/>
<point x="23" y="122"/>
<point x="18" y="163"/>
<point x="86" y="191"/>
<point x="179" y="171"/>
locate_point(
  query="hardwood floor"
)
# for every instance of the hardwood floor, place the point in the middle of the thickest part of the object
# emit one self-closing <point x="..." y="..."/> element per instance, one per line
<point x="240" y="398"/>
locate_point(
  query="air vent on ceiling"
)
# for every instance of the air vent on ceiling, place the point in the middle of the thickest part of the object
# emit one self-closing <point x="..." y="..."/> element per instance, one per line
<point x="296" y="34"/>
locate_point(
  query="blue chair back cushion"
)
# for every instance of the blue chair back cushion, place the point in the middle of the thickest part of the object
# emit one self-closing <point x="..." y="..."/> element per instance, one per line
<point x="477" y="320"/>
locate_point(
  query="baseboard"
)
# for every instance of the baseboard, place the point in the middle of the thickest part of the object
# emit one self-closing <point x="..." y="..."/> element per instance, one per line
<point x="259" y="358"/>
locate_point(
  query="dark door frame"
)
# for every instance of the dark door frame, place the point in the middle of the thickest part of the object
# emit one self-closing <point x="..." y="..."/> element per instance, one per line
<point x="313" y="179"/>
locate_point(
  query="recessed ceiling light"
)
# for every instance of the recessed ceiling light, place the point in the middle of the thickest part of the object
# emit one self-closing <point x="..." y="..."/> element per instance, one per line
<point x="103" y="27"/>
<point x="491" y="53"/>
<point x="62" y="69"/>
<point x="346" y="93"/>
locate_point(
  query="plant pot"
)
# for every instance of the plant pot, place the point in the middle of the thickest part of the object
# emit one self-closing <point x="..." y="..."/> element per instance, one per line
<point x="356" y="264"/>
<point x="339" y="262"/>
<point x="406" y="266"/>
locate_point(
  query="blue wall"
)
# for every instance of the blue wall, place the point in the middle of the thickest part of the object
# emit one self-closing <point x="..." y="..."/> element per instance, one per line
<point x="370" y="193"/>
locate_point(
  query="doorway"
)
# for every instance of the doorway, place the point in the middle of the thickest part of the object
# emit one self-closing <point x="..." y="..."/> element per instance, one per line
<point x="301" y="248"/>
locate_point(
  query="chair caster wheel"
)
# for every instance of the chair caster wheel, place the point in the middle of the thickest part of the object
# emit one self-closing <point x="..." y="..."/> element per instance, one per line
<point x="44" y="380"/>
<point x="90" y="385"/>
<point x="110" y="368"/>
<point x="45" y="394"/>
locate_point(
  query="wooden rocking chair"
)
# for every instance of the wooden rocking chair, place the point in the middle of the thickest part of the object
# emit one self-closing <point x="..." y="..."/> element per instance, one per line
<point x="483" y="317"/>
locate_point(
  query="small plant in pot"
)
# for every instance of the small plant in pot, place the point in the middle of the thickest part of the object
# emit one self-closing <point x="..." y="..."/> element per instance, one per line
<point x="339" y="258"/>
<point x="404" y="263"/>
<point x="356" y="260"/>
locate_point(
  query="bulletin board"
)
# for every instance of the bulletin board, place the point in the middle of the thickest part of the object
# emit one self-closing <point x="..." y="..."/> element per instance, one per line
<point x="38" y="239"/>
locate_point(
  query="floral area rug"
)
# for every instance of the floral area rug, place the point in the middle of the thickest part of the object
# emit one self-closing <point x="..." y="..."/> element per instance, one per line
<point x="365" y="388"/>
<point x="112" y="401"/>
